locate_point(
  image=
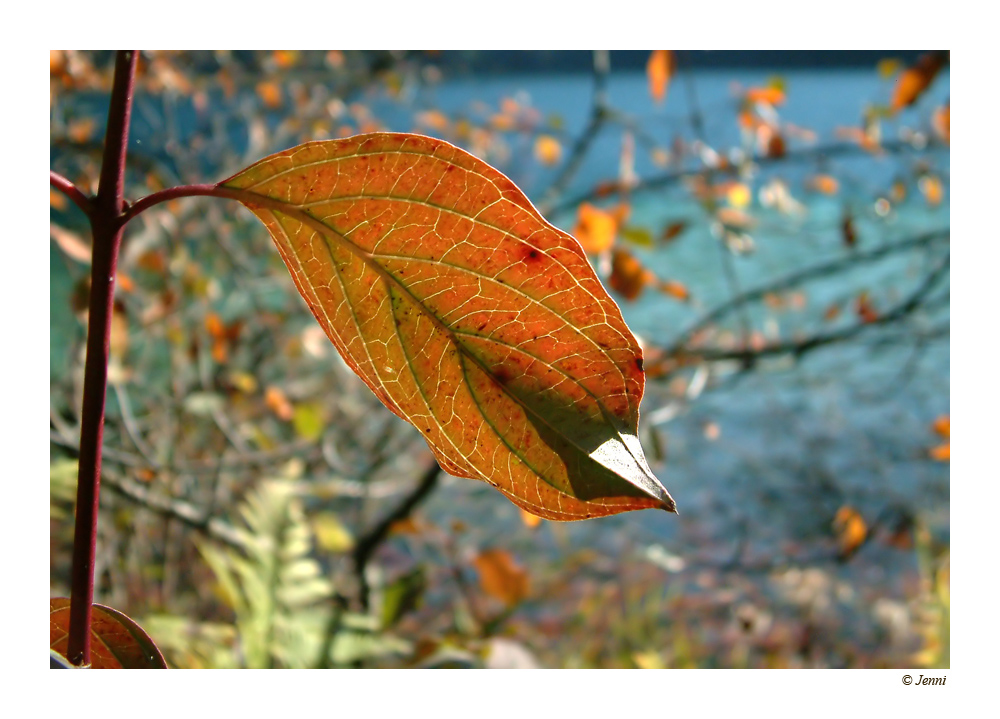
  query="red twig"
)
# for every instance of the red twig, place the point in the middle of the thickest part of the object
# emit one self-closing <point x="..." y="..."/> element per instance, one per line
<point x="72" y="192"/>
<point x="105" y="220"/>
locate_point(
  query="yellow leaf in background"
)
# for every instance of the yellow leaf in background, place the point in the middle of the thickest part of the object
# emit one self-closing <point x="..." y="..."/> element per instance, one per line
<point x="595" y="228"/>
<point x="659" y="70"/>
<point x="942" y="425"/>
<point x="548" y="151"/>
<point x="308" y="420"/>
<point x="331" y="534"/>
<point x="888" y="67"/>
<point x="70" y="243"/>
<point x="850" y="529"/>
<point x="501" y="577"/>
<point x="738" y="195"/>
<point x="648" y="660"/>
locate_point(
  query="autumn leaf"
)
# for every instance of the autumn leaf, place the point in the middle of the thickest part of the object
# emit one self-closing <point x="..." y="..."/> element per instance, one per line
<point x="629" y="276"/>
<point x="851" y="531"/>
<point x="595" y="228"/>
<point x="466" y="313"/>
<point x="915" y="80"/>
<point x="547" y="149"/>
<point x="501" y="577"/>
<point x="942" y="425"/>
<point x="116" y="641"/>
<point x="659" y="69"/>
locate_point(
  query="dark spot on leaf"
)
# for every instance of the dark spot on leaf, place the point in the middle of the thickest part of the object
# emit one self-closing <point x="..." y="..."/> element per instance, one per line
<point x="638" y="363"/>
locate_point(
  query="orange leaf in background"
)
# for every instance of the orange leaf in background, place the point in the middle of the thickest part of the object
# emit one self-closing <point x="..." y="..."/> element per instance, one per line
<point x="628" y="276"/>
<point x="501" y="577"/>
<point x="831" y="313"/>
<point x="278" y="403"/>
<point x="851" y="531"/>
<point x="270" y="94"/>
<point x="675" y="289"/>
<point x="595" y="228"/>
<point x="823" y="184"/>
<point x="81" y="131"/>
<point x="659" y="69"/>
<point x="941" y="122"/>
<point x="285" y="58"/>
<point x="222" y="335"/>
<point x="932" y="189"/>
<point x="116" y="641"/>
<point x="467" y="314"/>
<point x="941" y="453"/>
<point x="942" y="425"/>
<point x="57" y="200"/>
<point x="672" y="231"/>
<point x="772" y="95"/>
<point x="434" y="119"/>
<point x="547" y="149"/>
<point x="915" y="80"/>
<point x="865" y="309"/>
<point x="530" y="520"/>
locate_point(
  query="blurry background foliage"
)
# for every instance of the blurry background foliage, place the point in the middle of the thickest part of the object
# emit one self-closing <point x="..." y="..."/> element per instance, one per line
<point x="774" y="226"/>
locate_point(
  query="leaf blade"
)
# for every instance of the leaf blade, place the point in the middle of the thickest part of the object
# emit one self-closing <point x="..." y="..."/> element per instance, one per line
<point x="466" y="313"/>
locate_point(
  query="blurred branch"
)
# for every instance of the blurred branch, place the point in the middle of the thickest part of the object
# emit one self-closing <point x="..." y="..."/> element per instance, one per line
<point x="824" y="269"/>
<point x="749" y="356"/>
<point x="373" y="539"/>
<point x="599" y="113"/>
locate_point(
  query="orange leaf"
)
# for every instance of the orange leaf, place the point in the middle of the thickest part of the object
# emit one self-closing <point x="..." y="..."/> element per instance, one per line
<point x="547" y="150"/>
<point x="278" y="403"/>
<point x="659" y="69"/>
<point x="865" y="309"/>
<point x="942" y="425"/>
<point x="941" y="122"/>
<point x="771" y="95"/>
<point x="628" y="276"/>
<point x="466" y="313"/>
<point x="116" y="642"/>
<point x="941" y="453"/>
<point x="823" y="184"/>
<point x="915" y="80"/>
<point x="673" y="230"/>
<point x="932" y="189"/>
<point x="501" y="577"/>
<point x="595" y="228"/>
<point x="676" y="290"/>
<point x="270" y="94"/>
<point x="851" y="531"/>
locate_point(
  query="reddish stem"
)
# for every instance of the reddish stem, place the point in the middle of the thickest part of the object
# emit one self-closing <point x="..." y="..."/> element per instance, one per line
<point x="105" y="220"/>
<point x="71" y="191"/>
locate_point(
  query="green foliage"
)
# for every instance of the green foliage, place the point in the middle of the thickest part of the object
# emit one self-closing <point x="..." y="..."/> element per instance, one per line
<point x="285" y="613"/>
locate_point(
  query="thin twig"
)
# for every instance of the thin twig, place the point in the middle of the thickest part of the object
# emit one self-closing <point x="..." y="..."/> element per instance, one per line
<point x="373" y="539"/>
<point x="72" y="192"/>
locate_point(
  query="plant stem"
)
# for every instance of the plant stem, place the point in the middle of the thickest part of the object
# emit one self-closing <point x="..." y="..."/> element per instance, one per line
<point x="107" y="229"/>
<point x="71" y="191"/>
